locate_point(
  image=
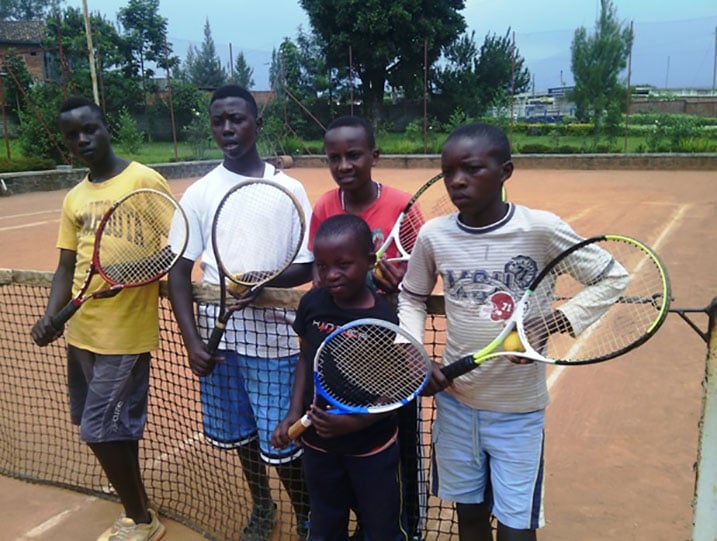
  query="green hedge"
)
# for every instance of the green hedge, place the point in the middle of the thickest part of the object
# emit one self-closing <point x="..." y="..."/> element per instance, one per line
<point x="17" y="165"/>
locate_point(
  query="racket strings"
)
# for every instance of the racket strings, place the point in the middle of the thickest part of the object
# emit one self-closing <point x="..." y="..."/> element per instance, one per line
<point x="433" y="201"/>
<point x="256" y="225"/>
<point x="604" y="304"/>
<point x="134" y="245"/>
<point x="366" y="366"/>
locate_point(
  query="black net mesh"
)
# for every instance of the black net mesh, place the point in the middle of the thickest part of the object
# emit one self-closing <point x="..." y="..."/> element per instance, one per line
<point x="187" y="479"/>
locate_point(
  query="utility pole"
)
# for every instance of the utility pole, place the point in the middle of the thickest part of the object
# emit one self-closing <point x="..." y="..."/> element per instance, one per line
<point x="629" y="91"/>
<point x="91" y="52"/>
<point x="714" y="69"/>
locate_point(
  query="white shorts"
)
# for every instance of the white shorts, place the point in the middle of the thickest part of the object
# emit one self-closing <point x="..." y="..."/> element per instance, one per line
<point x="486" y="456"/>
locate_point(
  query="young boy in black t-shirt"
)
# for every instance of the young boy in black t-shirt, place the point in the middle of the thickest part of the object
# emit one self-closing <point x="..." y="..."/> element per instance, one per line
<point x="349" y="460"/>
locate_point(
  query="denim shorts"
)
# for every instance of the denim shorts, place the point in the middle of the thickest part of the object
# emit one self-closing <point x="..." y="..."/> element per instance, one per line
<point x="245" y="398"/>
<point x="487" y="456"/>
<point x="108" y="394"/>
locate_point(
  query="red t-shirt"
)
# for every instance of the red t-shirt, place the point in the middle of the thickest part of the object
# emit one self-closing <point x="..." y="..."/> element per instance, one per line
<point x="380" y="216"/>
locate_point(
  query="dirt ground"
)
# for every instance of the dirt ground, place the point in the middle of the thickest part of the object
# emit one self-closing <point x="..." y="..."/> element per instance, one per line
<point x="621" y="437"/>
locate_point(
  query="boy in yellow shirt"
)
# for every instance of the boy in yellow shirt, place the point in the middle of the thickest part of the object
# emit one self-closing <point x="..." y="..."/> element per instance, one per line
<point x="108" y="341"/>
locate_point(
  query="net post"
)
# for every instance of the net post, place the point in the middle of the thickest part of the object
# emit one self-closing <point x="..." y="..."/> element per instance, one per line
<point x="705" y="499"/>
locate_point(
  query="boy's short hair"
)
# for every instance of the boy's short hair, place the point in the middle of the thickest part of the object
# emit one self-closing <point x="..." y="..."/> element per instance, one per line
<point x="235" y="91"/>
<point x="355" y="122"/>
<point x="493" y="134"/>
<point x="347" y="224"/>
<point x="75" y="102"/>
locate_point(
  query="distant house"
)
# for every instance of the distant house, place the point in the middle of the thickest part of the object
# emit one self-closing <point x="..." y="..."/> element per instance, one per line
<point x="24" y="38"/>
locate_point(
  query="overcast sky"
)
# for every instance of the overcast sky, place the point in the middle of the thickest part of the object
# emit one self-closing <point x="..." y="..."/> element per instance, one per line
<point x="674" y="41"/>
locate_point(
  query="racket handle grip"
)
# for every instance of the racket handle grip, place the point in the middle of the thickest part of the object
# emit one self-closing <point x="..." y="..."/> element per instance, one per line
<point x="58" y="320"/>
<point x="298" y="428"/>
<point x="458" y="368"/>
<point x="215" y="338"/>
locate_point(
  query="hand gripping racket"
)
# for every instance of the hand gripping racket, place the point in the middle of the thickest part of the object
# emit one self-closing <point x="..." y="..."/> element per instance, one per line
<point x="599" y="299"/>
<point x="131" y="247"/>
<point x="257" y="232"/>
<point x="367" y="366"/>
<point x="434" y="201"/>
<point x="429" y="201"/>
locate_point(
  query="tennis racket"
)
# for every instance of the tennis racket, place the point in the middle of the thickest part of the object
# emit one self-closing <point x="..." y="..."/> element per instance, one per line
<point x="367" y="366"/>
<point x="597" y="300"/>
<point x="434" y="201"/>
<point x="429" y="201"/>
<point x="257" y="232"/>
<point x="131" y="248"/>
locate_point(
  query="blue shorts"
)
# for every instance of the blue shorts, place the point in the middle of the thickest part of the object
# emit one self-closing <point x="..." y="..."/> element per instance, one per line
<point x="245" y="398"/>
<point x="108" y="394"/>
<point x="487" y="456"/>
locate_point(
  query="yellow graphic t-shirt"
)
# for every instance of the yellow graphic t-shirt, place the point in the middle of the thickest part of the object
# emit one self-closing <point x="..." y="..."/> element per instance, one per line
<point x="128" y="322"/>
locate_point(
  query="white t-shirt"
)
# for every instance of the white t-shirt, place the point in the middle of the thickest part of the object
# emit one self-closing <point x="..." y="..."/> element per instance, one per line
<point x="481" y="269"/>
<point x="258" y="332"/>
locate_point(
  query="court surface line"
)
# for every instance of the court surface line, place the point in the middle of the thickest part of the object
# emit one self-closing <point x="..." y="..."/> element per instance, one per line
<point x="32" y="224"/>
<point x="25" y="214"/>
<point x="52" y="522"/>
<point x="557" y="371"/>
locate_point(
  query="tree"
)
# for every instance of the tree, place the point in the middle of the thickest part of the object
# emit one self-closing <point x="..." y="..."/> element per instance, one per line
<point x="27" y="10"/>
<point x="597" y="61"/>
<point x="243" y="73"/>
<point x="203" y="65"/>
<point x="472" y="80"/>
<point x="499" y="70"/>
<point x="66" y="44"/>
<point x="300" y="78"/>
<point x="16" y="80"/>
<point x="386" y="39"/>
<point x="145" y="35"/>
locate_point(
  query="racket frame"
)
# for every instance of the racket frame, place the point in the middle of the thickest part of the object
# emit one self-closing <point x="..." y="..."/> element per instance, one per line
<point x="394" y="235"/>
<point x="95" y="268"/>
<point x="516" y="321"/>
<point x="339" y="408"/>
<point x="247" y="289"/>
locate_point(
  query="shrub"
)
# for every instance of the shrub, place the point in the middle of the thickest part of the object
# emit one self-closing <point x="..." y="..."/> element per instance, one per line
<point x="25" y="164"/>
<point x="128" y="136"/>
<point x="535" y="148"/>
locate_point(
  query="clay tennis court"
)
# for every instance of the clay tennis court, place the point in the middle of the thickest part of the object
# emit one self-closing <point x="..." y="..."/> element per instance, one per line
<point x="621" y="437"/>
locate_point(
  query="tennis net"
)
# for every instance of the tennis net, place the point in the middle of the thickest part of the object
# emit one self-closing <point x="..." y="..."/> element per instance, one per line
<point x="187" y="479"/>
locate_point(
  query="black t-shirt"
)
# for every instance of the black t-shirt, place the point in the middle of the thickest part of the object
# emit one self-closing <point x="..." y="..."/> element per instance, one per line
<point x="316" y="317"/>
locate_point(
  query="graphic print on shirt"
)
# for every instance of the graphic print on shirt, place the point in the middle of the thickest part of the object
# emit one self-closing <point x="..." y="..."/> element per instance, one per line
<point x="324" y="327"/>
<point x="491" y="294"/>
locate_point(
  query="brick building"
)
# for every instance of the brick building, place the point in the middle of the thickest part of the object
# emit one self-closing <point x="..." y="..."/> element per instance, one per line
<point x="24" y="38"/>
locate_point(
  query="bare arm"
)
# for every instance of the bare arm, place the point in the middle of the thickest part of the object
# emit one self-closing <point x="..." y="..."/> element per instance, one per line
<point x="296" y="274"/>
<point x="60" y="293"/>
<point x="180" y="295"/>
<point x="280" y="437"/>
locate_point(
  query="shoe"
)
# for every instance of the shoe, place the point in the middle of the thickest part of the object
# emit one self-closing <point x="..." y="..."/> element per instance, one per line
<point x="126" y="529"/>
<point x="261" y="523"/>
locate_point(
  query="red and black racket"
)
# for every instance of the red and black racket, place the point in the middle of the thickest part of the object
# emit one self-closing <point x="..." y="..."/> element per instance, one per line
<point x="131" y="248"/>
